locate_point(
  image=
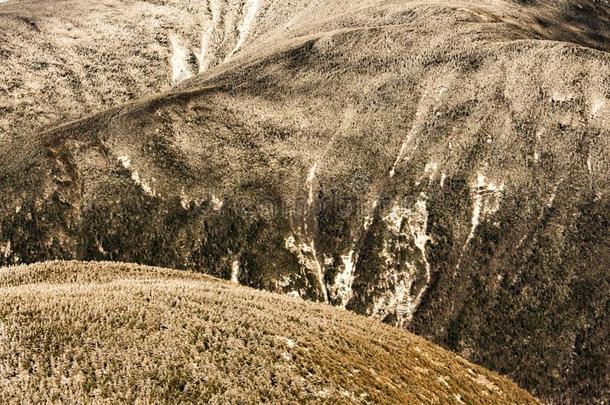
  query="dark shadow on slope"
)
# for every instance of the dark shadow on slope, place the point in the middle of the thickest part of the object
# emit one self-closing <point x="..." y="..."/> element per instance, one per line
<point x="582" y="23"/>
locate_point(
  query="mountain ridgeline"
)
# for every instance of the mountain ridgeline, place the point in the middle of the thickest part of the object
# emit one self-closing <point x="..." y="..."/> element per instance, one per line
<point x="440" y="166"/>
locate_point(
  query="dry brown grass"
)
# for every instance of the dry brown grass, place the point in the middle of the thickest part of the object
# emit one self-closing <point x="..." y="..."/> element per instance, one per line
<point x="74" y="332"/>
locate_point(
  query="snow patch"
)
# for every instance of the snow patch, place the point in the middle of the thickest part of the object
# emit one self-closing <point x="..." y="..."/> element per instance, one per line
<point x="401" y="153"/>
<point x="125" y="161"/>
<point x="553" y="195"/>
<point x="342" y="288"/>
<point x="368" y="219"/>
<point x="7" y="250"/>
<point x="291" y="344"/>
<point x="217" y="203"/>
<point x="418" y="224"/>
<point x="294" y="294"/>
<point x="430" y="171"/>
<point x="487" y="197"/>
<point x="485" y="382"/>
<point x="443" y="381"/>
<point x="597" y="106"/>
<point x="185" y="201"/>
<point x="324" y="393"/>
<point x="179" y="60"/>
<point x="235" y="271"/>
<point x="443" y="179"/>
<point x="561" y="98"/>
<point x="395" y="218"/>
<point x="388" y="301"/>
<point x="308" y="258"/>
<point x="284" y="282"/>
<point x="135" y="176"/>
<point x="409" y="227"/>
<point x="538" y="138"/>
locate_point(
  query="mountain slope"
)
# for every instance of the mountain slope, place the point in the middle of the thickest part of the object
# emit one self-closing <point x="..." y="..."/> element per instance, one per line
<point x="438" y="166"/>
<point x="88" y="56"/>
<point x="109" y="333"/>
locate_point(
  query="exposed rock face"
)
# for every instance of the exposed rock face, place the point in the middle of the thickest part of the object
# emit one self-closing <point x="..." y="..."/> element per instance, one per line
<point x="438" y="166"/>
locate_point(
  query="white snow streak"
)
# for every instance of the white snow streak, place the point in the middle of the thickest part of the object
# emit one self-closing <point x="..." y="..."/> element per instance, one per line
<point x="401" y="153"/>
<point x="308" y="258"/>
<point x="311" y="248"/>
<point x="306" y="251"/>
<point x="344" y="279"/>
<point x="179" y="61"/>
<point x="486" y="202"/>
<point x="311" y="175"/>
<point x="235" y="271"/>
<point x="538" y="138"/>
<point x="7" y="250"/>
<point x="135" y="176"/>
<point x="403" y="300"/>
<point x="246" y="26"/>
<point x="210" y="25"/>
<point x="553" y="195"/>
<point x="443" y="179"/>
<point x="185" y="201"/>
<point x="597" y="106"/>
<point x="418" y="224"/>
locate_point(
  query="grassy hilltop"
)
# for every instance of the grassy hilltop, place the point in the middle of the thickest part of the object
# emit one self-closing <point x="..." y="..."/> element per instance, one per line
<point x="74" y="332"/>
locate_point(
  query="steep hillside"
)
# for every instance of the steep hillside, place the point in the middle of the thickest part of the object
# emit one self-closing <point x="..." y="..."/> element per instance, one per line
<point x="112" y="333"/>
<point x="442" y="166"/>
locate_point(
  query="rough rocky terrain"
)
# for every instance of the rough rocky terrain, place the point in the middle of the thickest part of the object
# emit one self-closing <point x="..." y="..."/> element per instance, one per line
<point x="441" y="166"/>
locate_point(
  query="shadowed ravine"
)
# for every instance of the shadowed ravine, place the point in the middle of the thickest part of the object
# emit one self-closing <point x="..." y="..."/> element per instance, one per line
<point x="439" y="167"/>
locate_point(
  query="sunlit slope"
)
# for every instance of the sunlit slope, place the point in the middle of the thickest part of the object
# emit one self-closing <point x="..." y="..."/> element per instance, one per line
<point x="116" y="333"/>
